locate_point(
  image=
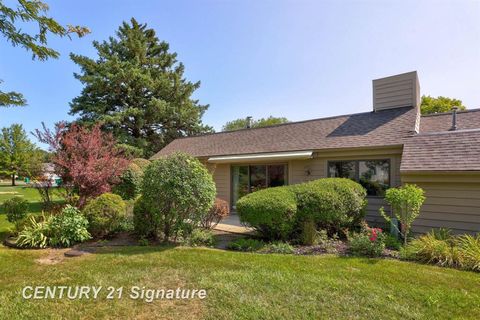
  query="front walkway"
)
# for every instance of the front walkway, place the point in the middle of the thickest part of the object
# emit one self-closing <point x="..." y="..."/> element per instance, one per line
<point x="231" y="223"/>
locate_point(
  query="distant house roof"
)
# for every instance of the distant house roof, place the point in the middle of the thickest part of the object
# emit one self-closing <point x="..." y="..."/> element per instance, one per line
<point x="444" y="151"/>
<point x="369" y="129"/>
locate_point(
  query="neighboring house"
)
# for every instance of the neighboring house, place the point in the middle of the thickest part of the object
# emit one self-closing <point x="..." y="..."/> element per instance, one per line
<point x="386" y="147"/>
<point x="49" y="174"/>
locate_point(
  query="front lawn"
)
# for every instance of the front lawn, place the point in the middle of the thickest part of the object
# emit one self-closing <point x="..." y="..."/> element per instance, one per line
<point x="239" y="285"/>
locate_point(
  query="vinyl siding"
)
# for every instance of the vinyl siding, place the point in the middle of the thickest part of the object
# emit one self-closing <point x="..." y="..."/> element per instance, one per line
<point x="396" y="91"/>
<point x="452" y="201"/>
<point x="318" y="169"/>
<point x="221" y="176"/>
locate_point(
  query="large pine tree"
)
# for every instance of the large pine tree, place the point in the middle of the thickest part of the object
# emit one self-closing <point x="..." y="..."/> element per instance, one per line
<point x="137" y="90"/>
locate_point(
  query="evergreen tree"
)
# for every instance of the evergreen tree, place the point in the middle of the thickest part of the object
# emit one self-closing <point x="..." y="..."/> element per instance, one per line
<point x="243" y="123"/>
<point x="137" y="90"/>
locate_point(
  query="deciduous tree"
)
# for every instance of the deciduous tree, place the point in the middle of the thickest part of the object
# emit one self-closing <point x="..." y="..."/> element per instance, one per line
<point x="18" y="155"/>
<point x="12" y="24"/>
<point x="440" y="104"/>
<point x="262" y="122"/>
<point x="85" y="158"/>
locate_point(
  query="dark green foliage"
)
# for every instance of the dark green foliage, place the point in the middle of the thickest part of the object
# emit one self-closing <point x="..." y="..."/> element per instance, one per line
<point x="278" y="213"/>
<point x="145" y="224"/>
<point x="392" y="242"/>
<point x="16" y="209"/>
<point x="272" y="212"/>
<point x="137" y="89"/>
<point x="176" y="189"/>
<point x="68" y="227"/>
<point x="246" y="244"/>
<point x="130" y="182"/>
<point x="333" y="203"/>
<point x="106" y="214"/>
<point x="200" y="238"/>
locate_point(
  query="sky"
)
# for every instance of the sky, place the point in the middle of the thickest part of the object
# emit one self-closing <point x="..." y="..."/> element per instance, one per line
<point x="296" y="59"/>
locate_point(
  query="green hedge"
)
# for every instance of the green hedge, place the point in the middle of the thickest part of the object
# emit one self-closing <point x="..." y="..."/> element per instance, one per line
<point x="277" y="213"/>
<point x="271" y="211"/>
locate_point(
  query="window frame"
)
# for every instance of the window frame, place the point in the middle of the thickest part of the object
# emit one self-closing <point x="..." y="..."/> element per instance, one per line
<point x="248" y="165"/>
<point x="357" y="170"/>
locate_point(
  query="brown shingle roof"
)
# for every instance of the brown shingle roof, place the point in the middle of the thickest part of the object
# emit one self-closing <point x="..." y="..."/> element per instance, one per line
<point x="443" y="121"/>
<point x="446" y="151"/>
<point x="383" y="128"/>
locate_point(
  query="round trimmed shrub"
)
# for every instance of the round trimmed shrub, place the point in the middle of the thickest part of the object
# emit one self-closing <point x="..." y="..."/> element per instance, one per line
<point x="333" y="203"/>
<point x="106" y="214"/>
<point x="176" y="189"/>
<point x="16" y="209"/>
<point x="272" y="212"/>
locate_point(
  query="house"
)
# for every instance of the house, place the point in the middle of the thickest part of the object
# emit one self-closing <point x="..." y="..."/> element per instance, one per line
<point x="386" y="147"/>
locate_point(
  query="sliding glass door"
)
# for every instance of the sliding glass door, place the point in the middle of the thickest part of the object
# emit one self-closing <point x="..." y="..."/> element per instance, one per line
<point x="250" y="178"/>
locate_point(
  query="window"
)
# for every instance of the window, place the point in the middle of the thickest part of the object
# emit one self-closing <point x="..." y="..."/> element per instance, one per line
<point x="246" y="179"/>
<point x="373" y="175"/>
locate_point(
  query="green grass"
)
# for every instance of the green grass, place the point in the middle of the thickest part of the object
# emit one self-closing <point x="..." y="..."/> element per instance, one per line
<point x="239" y="285"/>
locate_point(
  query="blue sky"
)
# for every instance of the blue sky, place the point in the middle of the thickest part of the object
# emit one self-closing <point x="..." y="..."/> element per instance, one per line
<point x="299" y="59"/>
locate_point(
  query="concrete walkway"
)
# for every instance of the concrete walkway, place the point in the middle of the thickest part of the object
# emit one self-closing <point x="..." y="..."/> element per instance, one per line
<point x="231" y="223"/>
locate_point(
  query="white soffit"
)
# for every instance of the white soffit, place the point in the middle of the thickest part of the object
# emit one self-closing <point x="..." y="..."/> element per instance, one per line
<point x="263" y="156"/>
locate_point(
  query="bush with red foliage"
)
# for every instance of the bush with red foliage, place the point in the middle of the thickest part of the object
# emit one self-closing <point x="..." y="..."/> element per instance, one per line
<point x="86" y="159"/>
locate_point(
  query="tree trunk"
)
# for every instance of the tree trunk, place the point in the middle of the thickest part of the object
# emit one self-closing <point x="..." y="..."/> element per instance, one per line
<point x="13" y="180"/>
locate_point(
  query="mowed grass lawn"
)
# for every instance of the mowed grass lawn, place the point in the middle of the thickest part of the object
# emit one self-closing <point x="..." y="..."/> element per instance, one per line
<point x="239" y="286"/>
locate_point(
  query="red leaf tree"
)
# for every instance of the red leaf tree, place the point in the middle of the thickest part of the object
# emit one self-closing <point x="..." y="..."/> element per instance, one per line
<point x="85" y="158"/>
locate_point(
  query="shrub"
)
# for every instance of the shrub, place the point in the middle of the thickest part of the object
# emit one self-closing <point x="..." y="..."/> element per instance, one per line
<point x="369" y="242"/>
<point x="391" y="242"/>
<point x="333" y="203"/>
<point x="175" y="189"/>
<point x="470" y="249"/>
<point x="142" y="163"/>
<point x="106" y="214"/>
<point x="278" y="247"/>
<point x="200" y="237"/>
<point x="219" y="210"/>
<point x="246" y="245"/>
<point x="35" y="232"/>
<point x="69" y="227"/>
<point x="130" y="182"/>
<point x="443" y="249"/>
<point x="16" y="209"/>
<point x="272" y="212"/>
<point x="145" y="223"/>
<point x="406" y="202"/>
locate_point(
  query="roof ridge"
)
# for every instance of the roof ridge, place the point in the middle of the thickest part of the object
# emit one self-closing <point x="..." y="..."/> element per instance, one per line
<point x="447" y="132"/>
<point x="288" y="123"/>
<point x="449" y="113"/>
